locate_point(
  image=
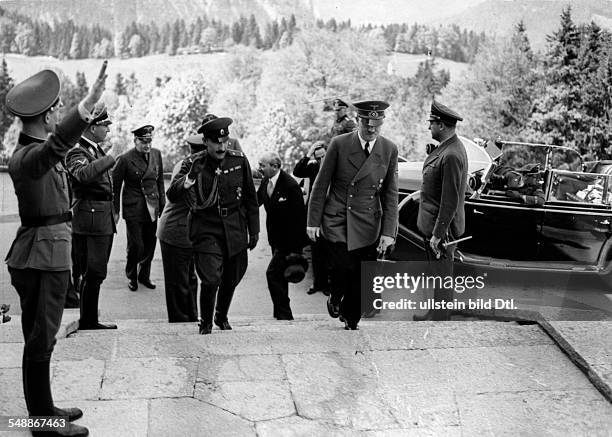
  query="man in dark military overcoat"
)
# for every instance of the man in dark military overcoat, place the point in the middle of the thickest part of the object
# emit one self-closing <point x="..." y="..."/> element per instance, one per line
<point x="93" y="218"/>
<point x="140" y="172"/>
<point x="343" y="124"/>
<point x="180" y="278"/>
<point x="282" y="198"/>
<point x="441" y="215"/>
<point x="353" y="205"/>
<point x="224" y="219"/>
<point x="39" y="258"/>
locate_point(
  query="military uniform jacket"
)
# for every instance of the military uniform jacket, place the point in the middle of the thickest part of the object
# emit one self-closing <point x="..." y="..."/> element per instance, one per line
<point x="41" y="186"/>
<point x="222" y="228"/>
<point x="354" y="199"/>
<point x="343" y="126"/>
<point x="285" y="214"/>
<point x="92" y="190"/>
<point x="172" y="225"/>
<point x="143" y="185"/>
<point x="443" y="190"/>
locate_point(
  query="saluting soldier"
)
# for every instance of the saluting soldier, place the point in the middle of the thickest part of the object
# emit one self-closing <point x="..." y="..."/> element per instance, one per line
<point x="140" y="172"/>
<point x="224" y="218"/>
<point x="39" y="258"/>
<point x="441" y="215"/>
<point x="93" y="218"/>
<point x="353" y="205"/>
<point x="180" y="278"/>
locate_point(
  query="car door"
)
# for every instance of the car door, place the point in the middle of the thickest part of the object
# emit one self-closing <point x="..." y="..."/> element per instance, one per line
<point x="578" y="220"/>
<point x="502" y="228"/>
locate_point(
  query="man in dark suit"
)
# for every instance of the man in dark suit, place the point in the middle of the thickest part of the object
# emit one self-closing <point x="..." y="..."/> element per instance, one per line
<point x="282" y="198"/>
<point x="441" y="215"/>
<point x="142" y="172"/>
<point x="39" y="258"/>
<point x="353" y="205"/>
<point x="224" y="219"/>
<point x="177" y="254"/>
<point x="93" y="218"/>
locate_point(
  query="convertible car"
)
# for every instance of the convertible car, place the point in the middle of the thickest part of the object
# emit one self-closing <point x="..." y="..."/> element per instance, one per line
<point x="528" y="207"/>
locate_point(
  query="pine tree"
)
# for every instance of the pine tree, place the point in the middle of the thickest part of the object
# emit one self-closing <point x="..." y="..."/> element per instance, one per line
<point x="6" y="83"/>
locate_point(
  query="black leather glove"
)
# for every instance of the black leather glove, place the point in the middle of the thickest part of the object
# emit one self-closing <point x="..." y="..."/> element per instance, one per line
<point x="253" y="239"/>
<point x="197" y="165"/>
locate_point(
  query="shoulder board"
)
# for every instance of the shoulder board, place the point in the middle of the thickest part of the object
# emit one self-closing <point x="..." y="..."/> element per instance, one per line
<point x="233" y="152"/>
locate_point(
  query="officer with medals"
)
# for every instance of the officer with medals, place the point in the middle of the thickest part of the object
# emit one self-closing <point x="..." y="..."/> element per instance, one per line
<point x="39" y="258"/>
<point x="141" y="172"/>
<point x="93" y="217"/>
<point x="224" y="219"/>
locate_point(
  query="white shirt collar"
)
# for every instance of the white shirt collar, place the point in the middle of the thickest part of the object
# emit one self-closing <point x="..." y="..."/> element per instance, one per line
<point x="275" y="178"/>
<point x="91" y="143"/>
<point x="363" y="142"/>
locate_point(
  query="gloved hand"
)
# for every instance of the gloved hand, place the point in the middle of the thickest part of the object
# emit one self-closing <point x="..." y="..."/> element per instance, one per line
<point x="513" y="194"/>
<point x="197" y="165"/>
<point x="253" y="239"/>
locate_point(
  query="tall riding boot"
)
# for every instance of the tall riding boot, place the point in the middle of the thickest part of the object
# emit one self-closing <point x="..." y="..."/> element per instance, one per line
<point x="208" y="295"/>
<point x="224" y="300"/>
<point x="89" y="303"/>
<point x="24" y="379"/>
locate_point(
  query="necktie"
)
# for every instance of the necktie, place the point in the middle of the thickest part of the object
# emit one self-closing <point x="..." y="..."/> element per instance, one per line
<point x="366" y="149"/>
<point x="146" y="157"/>
<point x="270" y="188"/>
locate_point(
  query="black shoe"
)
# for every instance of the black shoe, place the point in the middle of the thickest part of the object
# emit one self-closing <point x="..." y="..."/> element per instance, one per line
<point x="332" y="308"/>
<point x="132" y="285"/>
<point x="371" y="313"/>
<point x="72" y="413"/>
<point x="285" y="318"/>
<point x="349" y="326"/>
<point x="71" y="430"/>
<point x="98" y="325"/>
<point x="205" y="328"/>
<point x="326" y="292"/>
<point x="223" y="326"/>
<point x="311" y="290"/>
<point x="147" y="283"/>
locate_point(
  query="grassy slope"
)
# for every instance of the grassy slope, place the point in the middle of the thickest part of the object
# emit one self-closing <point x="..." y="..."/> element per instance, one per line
<point x="150" y="67"/>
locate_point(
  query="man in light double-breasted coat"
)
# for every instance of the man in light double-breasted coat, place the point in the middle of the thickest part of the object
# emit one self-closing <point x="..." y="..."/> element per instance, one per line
<point x="353" y="205"/>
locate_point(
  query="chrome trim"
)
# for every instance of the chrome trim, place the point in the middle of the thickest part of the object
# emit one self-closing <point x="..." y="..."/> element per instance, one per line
<point x="607" y="212"/>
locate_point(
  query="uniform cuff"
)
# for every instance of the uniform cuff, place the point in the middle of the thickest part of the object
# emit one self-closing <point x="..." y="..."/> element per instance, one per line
<point x="85" y="115"/>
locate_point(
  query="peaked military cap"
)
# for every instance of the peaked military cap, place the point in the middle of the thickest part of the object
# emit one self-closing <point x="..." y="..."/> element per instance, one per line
<point x="337" y="104"/>
<point x="296" y="267"/>
<point x="216" y="129"/>
<point x="102" y="119"/>
<point x="206" y="119"/>
<point x="144" y="131"/>
<point x="372" y="110"/>
<point x="196" y="143"/>
<point x="34" y="95"/>
<point x="442" y="113"/>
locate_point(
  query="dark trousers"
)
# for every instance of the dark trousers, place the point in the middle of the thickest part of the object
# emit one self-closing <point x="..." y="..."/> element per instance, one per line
<point x="222" y="273"/>
<point x="92" y="253"/>
<point x="278" y="285"/>
<point x="347" y="286"/>
<point x="42" y="295"/>
<point x="141" y="242"/>
<point x="181" y="283"/>
<point x="441" y="267"/>
<point x="320" y="264"/>
<point x="74" y="284"/>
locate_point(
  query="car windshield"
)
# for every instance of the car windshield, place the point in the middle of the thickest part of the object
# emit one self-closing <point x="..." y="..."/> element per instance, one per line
<point x="521" y="155"/>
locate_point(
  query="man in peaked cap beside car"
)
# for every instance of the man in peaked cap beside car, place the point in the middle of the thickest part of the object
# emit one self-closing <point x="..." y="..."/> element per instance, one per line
<point x="223" y="221"/>
<point x="93" y="218"/>
<point x="353" y="205"/>
<point x="441" y="216"/>
<point x="141" y="173"/>
<point x="39" y="258"/>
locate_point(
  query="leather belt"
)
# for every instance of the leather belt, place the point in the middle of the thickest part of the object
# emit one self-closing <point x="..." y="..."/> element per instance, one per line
<point x="99" y="197"/>
<point x="46" y="220"/>
<point x="223" y="212"/>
